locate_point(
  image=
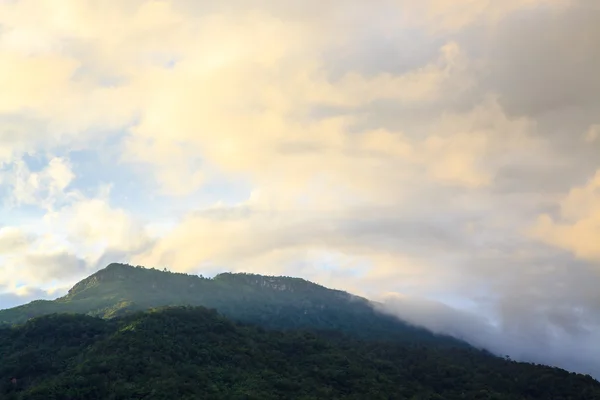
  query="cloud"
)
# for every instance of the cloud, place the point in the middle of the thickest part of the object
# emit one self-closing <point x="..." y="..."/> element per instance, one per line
<point x="575" y="351"/>
<point x="12" y="239"/>
<point x="453" y="15"/>
<point x="68" y="244"/>
<point x="38" y="267"/>
<point x="74" y="234"/>
<point x="45" y="187"/>
<point x="578" y="228"/>
<point x="92" y="222"/>
<point x="40" y="90"/>
<point x="592" y="134"/>
<point x="378" y="190"/>
<point x="525" y="68"/>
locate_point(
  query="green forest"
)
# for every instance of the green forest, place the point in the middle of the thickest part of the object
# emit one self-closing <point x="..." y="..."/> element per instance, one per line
<point x="195" y="353"/>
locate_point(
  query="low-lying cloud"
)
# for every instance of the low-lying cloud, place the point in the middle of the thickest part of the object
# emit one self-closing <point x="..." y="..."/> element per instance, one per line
<point x="544" y="342"/>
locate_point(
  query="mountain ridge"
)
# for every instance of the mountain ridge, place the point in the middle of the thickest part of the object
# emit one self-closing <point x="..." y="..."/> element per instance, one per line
<point x="277" y="302"/>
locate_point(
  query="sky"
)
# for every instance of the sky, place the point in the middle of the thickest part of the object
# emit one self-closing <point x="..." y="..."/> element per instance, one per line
<point x="439" y="156"/>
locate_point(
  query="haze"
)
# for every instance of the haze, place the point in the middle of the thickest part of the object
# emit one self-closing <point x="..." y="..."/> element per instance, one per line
<point x="442" y="156"/>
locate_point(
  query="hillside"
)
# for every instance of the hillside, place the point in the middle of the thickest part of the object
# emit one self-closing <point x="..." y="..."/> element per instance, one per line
<point x="194" y="353"/>
<point x="272" y="302"/>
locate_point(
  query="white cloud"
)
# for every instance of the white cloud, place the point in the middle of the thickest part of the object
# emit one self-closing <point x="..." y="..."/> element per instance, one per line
<point x="45" y="188"/>
<point x="75" y="233"/>
<point x="12" y="239"/>
<point x="93" y="224"/>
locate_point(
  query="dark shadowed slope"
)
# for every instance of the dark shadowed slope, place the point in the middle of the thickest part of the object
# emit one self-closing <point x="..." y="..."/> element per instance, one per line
<point x="273" y="302"/>
<point x="193" y="353"/>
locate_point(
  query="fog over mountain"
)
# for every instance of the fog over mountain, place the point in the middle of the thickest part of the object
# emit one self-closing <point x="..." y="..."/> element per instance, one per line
<point x="441" y="156"/>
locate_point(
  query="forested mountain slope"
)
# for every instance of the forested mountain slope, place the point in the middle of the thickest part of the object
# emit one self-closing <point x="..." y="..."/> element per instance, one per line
<point x="194" y="353"/>
<point x="272" y="302"/>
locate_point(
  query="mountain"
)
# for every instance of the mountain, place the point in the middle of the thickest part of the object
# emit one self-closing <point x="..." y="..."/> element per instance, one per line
<point x="195" y="353"/>
<point x="272" y="302"/>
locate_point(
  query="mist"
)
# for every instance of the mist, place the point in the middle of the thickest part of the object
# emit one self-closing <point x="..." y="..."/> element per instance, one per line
<point x="539" y="343"/>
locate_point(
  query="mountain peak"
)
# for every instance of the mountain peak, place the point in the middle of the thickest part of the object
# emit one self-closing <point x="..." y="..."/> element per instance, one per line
<point x="112" y="272"/>
<point x="117" y="266"/>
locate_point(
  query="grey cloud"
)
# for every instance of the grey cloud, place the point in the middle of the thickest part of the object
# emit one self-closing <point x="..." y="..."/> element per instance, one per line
<point x="544" y="66"/>
<point x="553" y="65"/>
<point x="375" y="51"/>
<point x="576" y="352"/>
<point x="438" y="317"/>
<point x="523" y="178"/>
<point x="54" y="266"/>
<point x="384" y="228"/>
<point x="546" y="304"/>
<point x="541" y="63"/>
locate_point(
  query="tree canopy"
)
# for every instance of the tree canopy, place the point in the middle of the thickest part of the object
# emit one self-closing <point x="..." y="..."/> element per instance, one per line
<point x="195" y="353"/>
